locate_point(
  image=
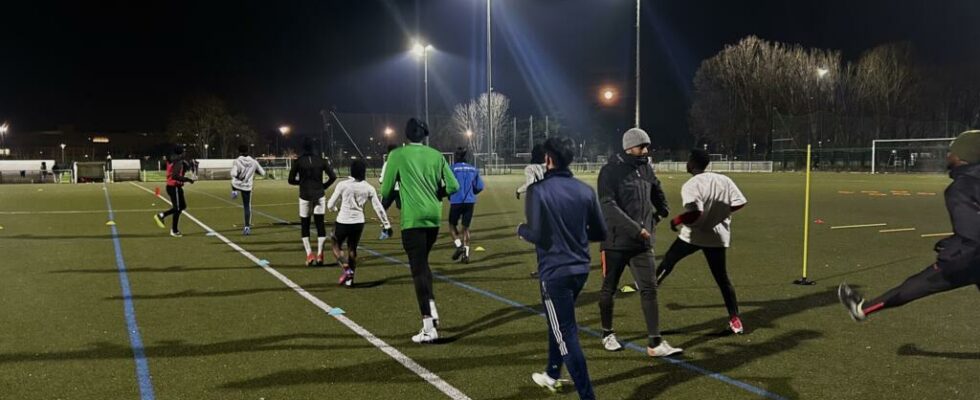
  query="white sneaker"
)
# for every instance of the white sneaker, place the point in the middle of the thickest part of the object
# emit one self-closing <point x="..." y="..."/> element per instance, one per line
<point x="545" y="381"/>
<point x="663" y="350"/>
<point x="426" y="336"/>
<point x="611" y="343"/>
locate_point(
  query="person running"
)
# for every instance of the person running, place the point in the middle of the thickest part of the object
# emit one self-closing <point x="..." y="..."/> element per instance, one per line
<point x="462" y="203"/>
<point x="709" y="199"/>
<point x="563" y="216"/>
<point x="243" y="171"/>
<point x="307" y="173"/>
<point x="534" y="171"/>
<point x="633" y="202"/>
<point x="352" y="194"/>
<point x="424" y="179"/>
<point x="958" y="256"/>
<point x="177" y="168"/>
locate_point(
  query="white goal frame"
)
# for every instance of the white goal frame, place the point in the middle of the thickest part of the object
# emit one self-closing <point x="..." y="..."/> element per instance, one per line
<point x="874" y="147"/>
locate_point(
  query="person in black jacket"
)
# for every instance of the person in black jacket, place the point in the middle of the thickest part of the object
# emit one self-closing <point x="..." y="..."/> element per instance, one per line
<point x="177" y="168"/>
<point x="632" y="203"/>
<point x="958" y="261"/>
<point x="307" y="172"/>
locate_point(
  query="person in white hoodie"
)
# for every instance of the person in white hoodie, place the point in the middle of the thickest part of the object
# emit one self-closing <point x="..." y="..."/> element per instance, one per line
<point x="352" y="194"/>
<point x="243" y="172"/>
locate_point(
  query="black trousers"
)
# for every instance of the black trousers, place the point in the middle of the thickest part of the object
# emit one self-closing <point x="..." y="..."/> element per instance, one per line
<point x="928" y="282"/>
<point x="643" y="267"/>
<point x="716" y="262"/>
<point x="177" y="205"/>
<point x="418" y="244"/>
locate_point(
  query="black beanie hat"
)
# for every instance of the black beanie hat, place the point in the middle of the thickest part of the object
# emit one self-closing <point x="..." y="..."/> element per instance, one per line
<point x="416" y="130"/>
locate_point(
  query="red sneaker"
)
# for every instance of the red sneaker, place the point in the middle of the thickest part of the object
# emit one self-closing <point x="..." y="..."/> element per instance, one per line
<point x="735" y="324"/>
<point x="310" y="260"/>
<point x="346" y="278"/>
<point x="319" y="260"/>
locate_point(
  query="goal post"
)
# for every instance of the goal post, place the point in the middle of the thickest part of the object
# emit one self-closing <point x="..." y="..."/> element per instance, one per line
<point x="908" y="154"/>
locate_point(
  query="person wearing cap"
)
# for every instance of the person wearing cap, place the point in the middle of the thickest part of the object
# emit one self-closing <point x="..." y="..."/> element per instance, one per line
<point x="958" y="260"/>
<point x="632" y="203"/>
<point x="424" y="179"/>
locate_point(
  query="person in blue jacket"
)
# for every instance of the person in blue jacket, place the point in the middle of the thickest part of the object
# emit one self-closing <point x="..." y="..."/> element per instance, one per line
<point x="462" y="203"/>
<point x="563" y="216"/>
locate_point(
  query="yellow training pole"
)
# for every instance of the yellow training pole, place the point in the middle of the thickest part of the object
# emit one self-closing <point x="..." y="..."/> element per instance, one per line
<point x="806" y="221"/>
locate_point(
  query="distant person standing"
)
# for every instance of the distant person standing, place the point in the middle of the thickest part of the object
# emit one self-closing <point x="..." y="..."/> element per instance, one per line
<point x="353" y="193"/>
<point x="177" y="168"/>
<point x="633" y="202"/>
<point x="424" y="179"/>
<point x="563" y="215"/>
<point x="307" y="172"/>
<point x="462" y="204"/>
<point x="534" y="171"/>
<point x="958" y="256"/>
<point x="243" y="171"/>
<point x="393" y="198"/>
<point x="709" y="200"/>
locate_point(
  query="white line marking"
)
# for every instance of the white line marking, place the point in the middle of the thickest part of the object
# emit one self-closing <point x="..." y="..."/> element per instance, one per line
<point x="392" y="352"/>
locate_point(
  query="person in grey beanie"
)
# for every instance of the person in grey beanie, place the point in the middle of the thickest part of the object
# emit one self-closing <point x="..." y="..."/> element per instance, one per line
<point x="633" y="202"/>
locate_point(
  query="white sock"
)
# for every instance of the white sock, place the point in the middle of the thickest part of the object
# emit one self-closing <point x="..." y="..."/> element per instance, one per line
<point x="432" y="309"/>
<point x="427" y="324"/>
<point x="306" y="245"/>
<point x="458" y="242"/>
<point x="319" y="244"/>
<point x="467" y="251"/>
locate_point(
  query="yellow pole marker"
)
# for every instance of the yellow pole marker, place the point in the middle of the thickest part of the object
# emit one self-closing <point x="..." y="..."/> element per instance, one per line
<point x="806" y="221"/>
<point x="896" y="230"/>
<point x="858" y="226"/>
<point x="929" y="235"/>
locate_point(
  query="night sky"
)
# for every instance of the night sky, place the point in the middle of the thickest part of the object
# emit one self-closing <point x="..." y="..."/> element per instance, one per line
<point x="126" y="65"/>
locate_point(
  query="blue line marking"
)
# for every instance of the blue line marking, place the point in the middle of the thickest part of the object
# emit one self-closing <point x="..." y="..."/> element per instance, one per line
<point x="135" y="341"/>
<point x="592" y="332"/>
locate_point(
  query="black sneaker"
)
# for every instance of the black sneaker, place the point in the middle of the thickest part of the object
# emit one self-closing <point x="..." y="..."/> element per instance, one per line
<point x="458" y="253"/>
<point x="852" y="301"/>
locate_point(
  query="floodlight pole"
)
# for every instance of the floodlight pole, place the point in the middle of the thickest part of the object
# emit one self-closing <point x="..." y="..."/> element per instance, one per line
<point x="637" y="89"/>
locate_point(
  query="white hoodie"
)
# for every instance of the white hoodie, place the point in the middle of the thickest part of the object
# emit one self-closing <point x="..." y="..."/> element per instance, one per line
<point x="243" y="172"/>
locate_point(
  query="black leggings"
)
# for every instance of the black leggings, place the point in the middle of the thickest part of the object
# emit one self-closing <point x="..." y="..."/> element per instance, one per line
<point x="716" y="262"/>
<point x="928" y="282"/>
<point x="418" y="243"/>
<point x="177" y="205"/>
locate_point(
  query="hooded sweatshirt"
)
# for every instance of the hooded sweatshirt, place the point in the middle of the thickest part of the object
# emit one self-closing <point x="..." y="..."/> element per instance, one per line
<point x="243" y="171"/>
<point x="959" y="255"/>
<point x="632" y="200"/>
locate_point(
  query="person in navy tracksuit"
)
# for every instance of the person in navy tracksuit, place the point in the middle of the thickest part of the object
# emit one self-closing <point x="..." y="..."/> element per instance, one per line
<point x="563" y="216"/>
<point x="462" y="203"/>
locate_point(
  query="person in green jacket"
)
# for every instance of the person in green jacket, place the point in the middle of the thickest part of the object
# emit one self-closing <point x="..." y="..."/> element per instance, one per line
<point x="424" y="179"/>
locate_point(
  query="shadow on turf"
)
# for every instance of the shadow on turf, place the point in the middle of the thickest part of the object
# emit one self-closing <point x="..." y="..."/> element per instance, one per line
<point x="180" y="348"/>
<point x="763" y="315"/>
<point x="911" y="350"/>
<point x="719" y="362"/>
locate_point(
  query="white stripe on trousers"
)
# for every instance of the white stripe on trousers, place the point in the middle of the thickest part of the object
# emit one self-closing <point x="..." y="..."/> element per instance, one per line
<point x="553" y="317"/>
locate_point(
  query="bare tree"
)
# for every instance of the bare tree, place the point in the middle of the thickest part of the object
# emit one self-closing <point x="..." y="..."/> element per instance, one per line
<point x="473" y="117"/>
<point x="205" y="120"/>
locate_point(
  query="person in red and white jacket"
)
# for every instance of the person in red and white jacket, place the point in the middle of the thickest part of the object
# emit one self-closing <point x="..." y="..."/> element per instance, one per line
<point x="709" y="200"/>
<point x="177" y="167"/>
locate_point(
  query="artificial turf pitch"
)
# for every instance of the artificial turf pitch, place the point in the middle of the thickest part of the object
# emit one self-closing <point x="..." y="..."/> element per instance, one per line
<point x="214" y="324"/>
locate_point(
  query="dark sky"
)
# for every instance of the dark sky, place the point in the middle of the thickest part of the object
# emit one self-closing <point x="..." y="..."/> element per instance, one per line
<point x="126" y="65"/>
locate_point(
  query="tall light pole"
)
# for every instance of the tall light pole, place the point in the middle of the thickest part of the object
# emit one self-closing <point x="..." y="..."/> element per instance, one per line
<point x="206" y="151"/>
<point x="490" y="141"/>
<point x="3" y="134"/>
<point x="422" y="50"/>
<point x="636" y="122"/>
<point x="62" y="153"/>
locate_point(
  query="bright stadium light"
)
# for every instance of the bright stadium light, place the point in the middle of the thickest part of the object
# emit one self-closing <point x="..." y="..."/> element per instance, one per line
<point x="822" y="72"/>
<point x="389" y="131"/>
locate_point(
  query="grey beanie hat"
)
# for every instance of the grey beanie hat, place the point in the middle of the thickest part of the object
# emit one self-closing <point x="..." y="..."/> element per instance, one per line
<point x="635" y="137"/>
